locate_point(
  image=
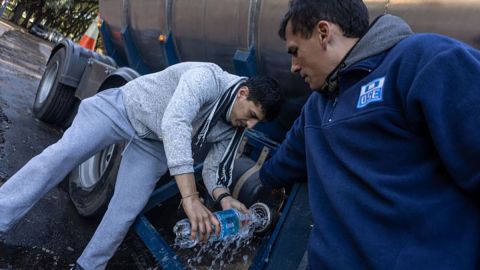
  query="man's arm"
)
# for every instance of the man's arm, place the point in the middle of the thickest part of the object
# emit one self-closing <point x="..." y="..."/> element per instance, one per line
<point x="445" y="96"/>
<point x="285" y="167"/>
<point x="288" y="164"/>
<point x="209" y="173"/>
<point x="196" y="88"/>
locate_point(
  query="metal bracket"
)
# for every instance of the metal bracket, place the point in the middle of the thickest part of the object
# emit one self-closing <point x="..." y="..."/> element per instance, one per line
<point x="255" y="168"/>
<point x="92" y="78"/>
<point x="171" y="54"/>
<point x="245" y="63"/>
<point x="241" y="147"/>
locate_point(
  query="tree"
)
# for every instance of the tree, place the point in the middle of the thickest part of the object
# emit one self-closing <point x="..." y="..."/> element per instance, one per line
<point x="20" y="7"/>
<point x="69" y="17"/>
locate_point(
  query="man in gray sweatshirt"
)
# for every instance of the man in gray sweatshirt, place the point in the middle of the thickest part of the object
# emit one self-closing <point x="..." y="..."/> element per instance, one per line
<point x="160" y="115"/>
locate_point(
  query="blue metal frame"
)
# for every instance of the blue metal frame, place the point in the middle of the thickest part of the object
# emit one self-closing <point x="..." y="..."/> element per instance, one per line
<point x="162" y="252"/>
<point x="170" y="51"/>
<point x="290" y="246"/>
<point x="258" y="140"/>
<point x="160" y="249"/>
<point x="133" y="55"/>
<point x="245" y="63"/>
<point x="266" y="246"/>
<point x="110" y="46"/>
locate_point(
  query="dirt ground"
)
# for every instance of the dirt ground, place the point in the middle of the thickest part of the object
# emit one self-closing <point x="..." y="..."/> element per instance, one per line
<point x="52" y="235"/>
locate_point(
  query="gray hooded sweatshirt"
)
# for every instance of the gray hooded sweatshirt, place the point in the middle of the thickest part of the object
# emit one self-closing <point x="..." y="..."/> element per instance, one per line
<point x="383" y="34"/>
<point x="171" y="105"/>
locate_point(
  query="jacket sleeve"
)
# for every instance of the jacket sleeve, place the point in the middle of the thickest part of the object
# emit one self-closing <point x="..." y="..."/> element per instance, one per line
<point x="196" y="87"/>
<point x="287" y="165"/>
<point x="211" y="163"/>
<point x="445" y="97"/>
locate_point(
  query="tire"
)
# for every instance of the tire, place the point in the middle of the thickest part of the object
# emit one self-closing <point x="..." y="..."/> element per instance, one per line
<point x="91" y="184"/>
<point x="54" y="101"/>
<point x="251" y="190"/>
<point x="67" y="122"/>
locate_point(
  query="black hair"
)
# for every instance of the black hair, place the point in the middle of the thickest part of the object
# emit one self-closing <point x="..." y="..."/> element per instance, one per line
<point x="350" y="15"/>
<point x="265" y="91"/>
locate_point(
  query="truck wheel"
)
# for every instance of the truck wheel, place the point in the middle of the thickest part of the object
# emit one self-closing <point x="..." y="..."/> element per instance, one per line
<point x="91" y="184"/>
<point x="54" y="100"/>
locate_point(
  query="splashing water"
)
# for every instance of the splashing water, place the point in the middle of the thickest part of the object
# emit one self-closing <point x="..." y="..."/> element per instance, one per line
<point x="223" y="253"/>
<point x="232" y="250"/>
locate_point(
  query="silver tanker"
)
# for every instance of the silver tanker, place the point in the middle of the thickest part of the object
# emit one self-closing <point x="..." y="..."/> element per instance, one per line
<point x="143" y="36"/>
<point x="213" y="30"/>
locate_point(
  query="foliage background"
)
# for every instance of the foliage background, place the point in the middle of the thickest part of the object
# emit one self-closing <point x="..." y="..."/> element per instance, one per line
<point x="71" y="18"/>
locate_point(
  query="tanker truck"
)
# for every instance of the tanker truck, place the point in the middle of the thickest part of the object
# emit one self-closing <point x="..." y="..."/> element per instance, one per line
<point x="143" y="36"/>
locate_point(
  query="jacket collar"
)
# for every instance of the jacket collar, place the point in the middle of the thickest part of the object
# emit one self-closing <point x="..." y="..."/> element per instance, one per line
<point x="384" y="33"/>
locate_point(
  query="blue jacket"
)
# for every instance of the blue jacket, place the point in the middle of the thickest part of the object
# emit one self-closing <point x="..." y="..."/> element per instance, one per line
<point x="393" y="161"/>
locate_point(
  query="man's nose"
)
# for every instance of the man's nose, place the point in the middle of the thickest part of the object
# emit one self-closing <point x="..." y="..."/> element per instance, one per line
<point x="295" y="67"/>
<point x="251" y="123"/>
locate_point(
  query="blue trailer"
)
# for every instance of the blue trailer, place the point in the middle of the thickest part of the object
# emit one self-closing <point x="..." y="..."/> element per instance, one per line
<point x="143" y="36"/>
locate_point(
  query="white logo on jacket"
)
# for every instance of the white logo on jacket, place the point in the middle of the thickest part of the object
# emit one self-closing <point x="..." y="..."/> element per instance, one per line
<point x="371" y="92"/>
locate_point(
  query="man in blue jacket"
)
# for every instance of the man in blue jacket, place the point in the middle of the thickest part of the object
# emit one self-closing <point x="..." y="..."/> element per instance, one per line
<point x="388" y="141"/>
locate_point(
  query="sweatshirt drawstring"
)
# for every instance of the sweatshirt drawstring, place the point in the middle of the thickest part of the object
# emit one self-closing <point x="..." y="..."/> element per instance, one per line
<point x="128" y="144"/>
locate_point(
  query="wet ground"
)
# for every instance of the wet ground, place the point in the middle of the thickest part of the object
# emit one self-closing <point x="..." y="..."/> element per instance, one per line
<point x="52" y="235"/>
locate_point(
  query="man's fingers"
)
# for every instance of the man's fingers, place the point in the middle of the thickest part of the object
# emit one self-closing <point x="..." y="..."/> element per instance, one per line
<point x="239" y="206"/>
<point x="215" y="223"/>
<point x="202" y="231"/>
<point x="194" y="230"/>
<point x="208" y="225"/>
<point x="243" y="208"/>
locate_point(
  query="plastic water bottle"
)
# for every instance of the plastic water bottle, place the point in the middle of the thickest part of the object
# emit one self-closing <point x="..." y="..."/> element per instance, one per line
<point x="232" y="222"/>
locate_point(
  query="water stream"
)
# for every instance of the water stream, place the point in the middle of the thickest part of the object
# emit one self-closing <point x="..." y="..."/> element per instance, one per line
<point x="234" y="252"/>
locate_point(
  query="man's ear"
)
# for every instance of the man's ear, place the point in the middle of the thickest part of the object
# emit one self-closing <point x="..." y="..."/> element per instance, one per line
<point x="243" y="91"/>
<point x="323" y="32"/>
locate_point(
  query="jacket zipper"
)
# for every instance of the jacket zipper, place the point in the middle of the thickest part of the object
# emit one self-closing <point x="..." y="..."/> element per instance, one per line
<point x="335" y="101"/>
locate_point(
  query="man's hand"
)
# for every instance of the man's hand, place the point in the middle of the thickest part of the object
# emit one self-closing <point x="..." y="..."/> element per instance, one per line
<point x="230" y="202"/>
<point x="201" y="219"/>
